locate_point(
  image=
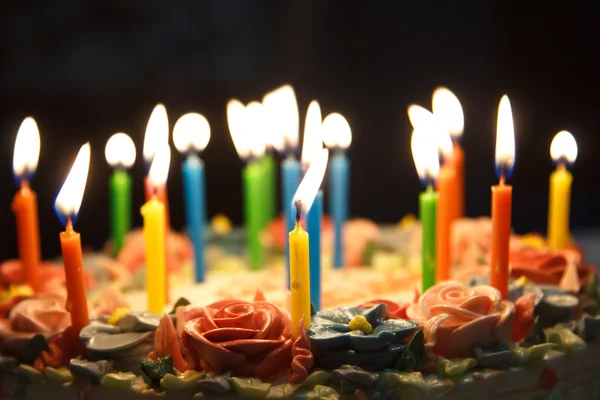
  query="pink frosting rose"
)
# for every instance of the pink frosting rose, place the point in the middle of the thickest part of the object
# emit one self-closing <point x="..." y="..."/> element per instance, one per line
<point x="248" y="338"/>
<point x="46" y="315"/>
<point x="456" y="318"/>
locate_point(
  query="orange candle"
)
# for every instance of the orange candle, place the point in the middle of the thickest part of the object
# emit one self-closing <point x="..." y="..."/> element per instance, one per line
<point x="70" y="243"/>
<point x="502" y="199"/>
<point x="501" y="213"/>
<point x="446" y="186"/>
<point x="458" y="163"/>
<point x="24" y="205"/>
<point x="67" y="206"/>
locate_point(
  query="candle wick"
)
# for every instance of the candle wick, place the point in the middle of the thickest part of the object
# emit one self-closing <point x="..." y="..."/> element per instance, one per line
<point x="502" y="179"/>
<point x="298" y="204"/>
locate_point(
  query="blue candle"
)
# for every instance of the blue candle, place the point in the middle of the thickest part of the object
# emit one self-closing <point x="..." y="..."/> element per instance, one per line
<point x="314" y="220"/>
<point x="195" y="209"/>
<point x="290" y="179"/>
<point x="339" y="195"/>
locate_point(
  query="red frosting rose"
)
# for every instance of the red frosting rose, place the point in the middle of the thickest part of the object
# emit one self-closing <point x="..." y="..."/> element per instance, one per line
<point x="247" y="338"/>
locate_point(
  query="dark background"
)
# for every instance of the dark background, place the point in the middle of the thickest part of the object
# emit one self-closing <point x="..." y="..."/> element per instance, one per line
<point x="87" y="70"/>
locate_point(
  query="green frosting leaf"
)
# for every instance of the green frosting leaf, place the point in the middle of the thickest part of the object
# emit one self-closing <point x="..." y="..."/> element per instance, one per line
<point x="282" y="391"/>
<point x="118" y="380"/>
<point x="183" y="382"/>
<point x="157" y="369"/>
<point x="251" y="388"/>
<point x="319" y="377"/>
<point x="564" y="338"/>
<point x="27" y="371"/>
<point x="60" y="375"/>
<point x="285" y="390"/>
<point x="524" y="355"/>
<point x="408" y="385"/>
<point x="322" y="392"/>
<point x="367" y="255"/>
<point x="537" y="335"/>
<point x="454" y="368"/>
<point x="179" y="303"/>
<point x="414" y="355"/>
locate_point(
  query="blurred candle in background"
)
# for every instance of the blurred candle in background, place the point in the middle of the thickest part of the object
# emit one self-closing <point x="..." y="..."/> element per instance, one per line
<point x="312" y="148"/>
<point x="301" y="279"/>
<point x="153" y="213"/>
<point x="283" y="120"/>
<point x="24" y="204"/>
<point x="338" y="136"/>
<point x="191" y="135"/>
<point x="563" y="151"/>
<point x="427" y="163"/>
<point x="67" y="206"/>
<point x="120" y="155"/>
<point x="502" y="198"/>
<point x="246" y="136"/>
<point x="449" y="114"/>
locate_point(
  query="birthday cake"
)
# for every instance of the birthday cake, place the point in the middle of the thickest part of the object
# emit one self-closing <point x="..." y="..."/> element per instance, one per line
<point x="380" y="328"/>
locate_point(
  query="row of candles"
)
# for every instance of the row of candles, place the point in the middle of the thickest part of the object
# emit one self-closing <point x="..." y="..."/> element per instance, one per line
<point x="435" y="137"/>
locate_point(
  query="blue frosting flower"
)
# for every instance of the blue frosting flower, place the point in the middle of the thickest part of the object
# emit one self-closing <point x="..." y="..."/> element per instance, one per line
<point x="334" y="343"/>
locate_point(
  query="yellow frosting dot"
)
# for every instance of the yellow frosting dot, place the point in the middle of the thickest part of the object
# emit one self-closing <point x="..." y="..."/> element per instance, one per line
<point x="14" y="291"/>
<point x="407" y="222"/>
<point x="522" y="281"/>
<point x="221" y="224"/>
<point x="360" y="323"/>
<point x="533" y="240"/>
<point x="118" y="315"/>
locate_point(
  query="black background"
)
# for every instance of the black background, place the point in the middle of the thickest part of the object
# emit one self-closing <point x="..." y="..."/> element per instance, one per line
<point x="87" y="70"/>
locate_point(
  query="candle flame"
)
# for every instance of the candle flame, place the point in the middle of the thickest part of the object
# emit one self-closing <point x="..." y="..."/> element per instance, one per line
<point x="191" y="133"/>
<point x="505" y="139"/>
<point x="425" y="156"/>
<point x="157" y="132"/>
<point x="27" y="149"/>
<point x="69" y="198"/>
<point x="563" y="148"/>
<point x="448" y="112"/>
<point x="336" y="131"/>
<point x="255" y="125"/>
<point x="236" y="116"/>
<point x="310" y="184"/>
<point x="159" y="170"/>
<point x="283" y="118"/>
<point x="120" y="151"/>
<point x="312" y="142"/>
<point x="423" y="120"/>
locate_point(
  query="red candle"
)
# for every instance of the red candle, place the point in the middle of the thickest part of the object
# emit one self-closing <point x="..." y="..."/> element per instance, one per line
<point x="502" y="199"/>
<point x="446" y="185"/>
<point x="70" y="243"/>
<point x="67" y="206"/>
<point x="501" y="214"/>
<point x="24" y="205"/>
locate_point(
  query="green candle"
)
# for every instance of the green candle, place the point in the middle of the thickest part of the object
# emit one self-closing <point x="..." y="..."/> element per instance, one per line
<point x="268" y="163"/>
<point x="254" y="210"/>
<point x="427" y="214"/>
<point x="120" y="207"/>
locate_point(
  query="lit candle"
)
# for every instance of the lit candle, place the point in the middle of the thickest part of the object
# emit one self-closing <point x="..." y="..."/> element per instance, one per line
<point x="245" y="133"/>
<point x="502" y="198"/>
<point x="312" y="146"/>
<point x="156" y="137"/>
<point x="338" y="136"/>
<point x="24" y="204"/>
<point x="191" y="135"/>
<point x="282" y="120"/>
<point x="300" y="280"/>
<point x="427" y="163"/>
<point x="153" y="213"/>
<point x="563" y="151"/>
<point x="120" y="155"/>
<point x="67" y="206"/>
<point x="423" y="120"/>
<point x="449" y="113"/>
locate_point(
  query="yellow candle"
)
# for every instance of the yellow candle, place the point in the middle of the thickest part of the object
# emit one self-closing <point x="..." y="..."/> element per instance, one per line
<point x="563" y="150"/>
<point x="154" y="237"/>
<point x="299" y="278"/>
